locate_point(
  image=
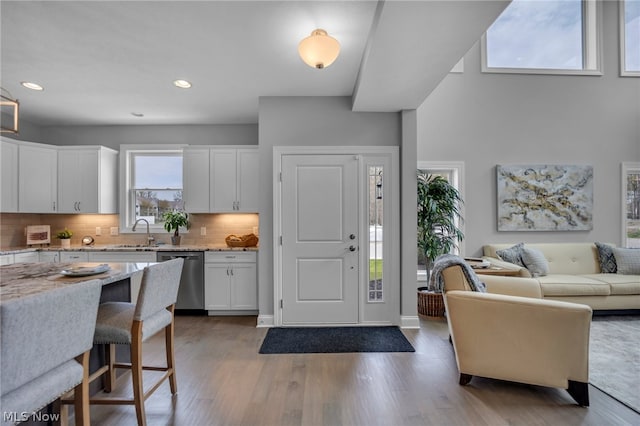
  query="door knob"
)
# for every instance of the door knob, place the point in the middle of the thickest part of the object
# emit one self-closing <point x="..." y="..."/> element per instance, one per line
<point x="352" y="248"/>
<point x="352" y="236"/>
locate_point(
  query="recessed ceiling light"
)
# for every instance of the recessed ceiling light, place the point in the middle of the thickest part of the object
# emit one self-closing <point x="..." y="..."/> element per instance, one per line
<point x="183" y="84"/>
<point x="31" y="85"/>
<point x="137" y="114"/>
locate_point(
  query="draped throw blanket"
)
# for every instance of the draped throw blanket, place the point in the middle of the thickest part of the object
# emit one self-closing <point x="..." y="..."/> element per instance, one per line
<point x="436" y="283"/>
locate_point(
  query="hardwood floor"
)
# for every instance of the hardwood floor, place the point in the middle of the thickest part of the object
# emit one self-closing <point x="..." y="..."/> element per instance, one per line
<point x="222" y="380"/>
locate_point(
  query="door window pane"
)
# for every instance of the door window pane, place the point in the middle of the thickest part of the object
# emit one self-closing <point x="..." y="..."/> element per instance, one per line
<point x="631" y="35"/>
<point x="376" y="220"/>
<point x="632" y="207"/>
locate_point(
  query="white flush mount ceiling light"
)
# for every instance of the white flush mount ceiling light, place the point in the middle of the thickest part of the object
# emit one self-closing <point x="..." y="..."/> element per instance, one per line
<point x="31" y="85"/>
<point x="319" y="50"/>
<point x="183" y="84"/>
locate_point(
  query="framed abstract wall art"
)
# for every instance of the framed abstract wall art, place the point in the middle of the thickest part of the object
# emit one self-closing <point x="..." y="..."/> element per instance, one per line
<point x="545" y="197"/>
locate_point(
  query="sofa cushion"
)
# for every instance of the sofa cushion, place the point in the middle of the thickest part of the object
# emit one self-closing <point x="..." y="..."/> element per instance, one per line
<point x="535" y="261"/>
<point x="563" y="258"/>
<point x="573" y="285"/>
<point x="512" y="254"/>
<point x="619" y="284"/>
<point x="607" y="259"/>
<point x="628" y="260"/>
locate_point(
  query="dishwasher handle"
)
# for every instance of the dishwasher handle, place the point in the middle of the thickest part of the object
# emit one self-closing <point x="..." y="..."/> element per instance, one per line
<point x="192" y="257"/>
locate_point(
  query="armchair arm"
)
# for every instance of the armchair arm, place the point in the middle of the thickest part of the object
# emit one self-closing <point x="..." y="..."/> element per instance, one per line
<point x="535" y="341"/>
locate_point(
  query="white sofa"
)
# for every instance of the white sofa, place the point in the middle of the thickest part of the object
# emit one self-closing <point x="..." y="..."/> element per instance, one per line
<point x="574" y="275"/>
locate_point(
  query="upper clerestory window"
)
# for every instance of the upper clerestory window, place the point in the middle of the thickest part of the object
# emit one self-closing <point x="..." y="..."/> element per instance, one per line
<point x="545" y="37"/>
<point x="630" y="38"/>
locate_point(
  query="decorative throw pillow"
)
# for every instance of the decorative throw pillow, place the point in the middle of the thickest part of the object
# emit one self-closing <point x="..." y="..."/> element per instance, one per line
<point x="628" y="260"/>
<point x="512" y="254"/>
<point x="535" y="262"/>
<point x="607" y="259"/>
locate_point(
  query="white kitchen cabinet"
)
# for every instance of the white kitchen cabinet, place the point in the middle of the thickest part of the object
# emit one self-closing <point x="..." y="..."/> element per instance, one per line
<point x="195" y="179"/>
<point x="9" y="176"/>
<point x="37" y="178"/>
<point x="26" y="257"/>
<point x="49" y="256"/>
<point x="74" y="256"/>
<point x="234" y="180"/>
<point x="6" y="259"/>
<point x="230" y="281"/>
<point x="122" y="256"/>
<point x="87" y="179"/>
<point x="220" y="179"/>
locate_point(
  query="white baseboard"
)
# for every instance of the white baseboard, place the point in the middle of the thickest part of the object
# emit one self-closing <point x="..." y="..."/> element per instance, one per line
<point x="407" y="321"/>
<point x="265" y="321"/>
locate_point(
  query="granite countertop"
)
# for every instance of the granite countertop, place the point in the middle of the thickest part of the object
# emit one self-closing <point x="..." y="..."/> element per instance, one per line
<point x="23" y="279"/>
<point x="129" y="247"/>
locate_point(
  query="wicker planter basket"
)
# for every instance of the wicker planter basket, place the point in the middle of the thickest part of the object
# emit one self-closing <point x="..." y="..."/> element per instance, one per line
<point x="430" y="304"/>
<point x="249" y="240"/>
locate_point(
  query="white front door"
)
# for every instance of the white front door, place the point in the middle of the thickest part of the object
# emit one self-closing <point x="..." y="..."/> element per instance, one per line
<point x="320" y="223"/>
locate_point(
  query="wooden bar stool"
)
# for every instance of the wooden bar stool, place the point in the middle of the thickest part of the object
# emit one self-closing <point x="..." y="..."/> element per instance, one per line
<point x="126" y="323"/>
<point x="45" y="344"/>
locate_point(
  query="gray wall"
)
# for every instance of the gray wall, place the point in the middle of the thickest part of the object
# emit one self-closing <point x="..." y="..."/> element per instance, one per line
<point x="490" y="119"/>
<point x="308" y="121"/>
<point x="114" y="136"/>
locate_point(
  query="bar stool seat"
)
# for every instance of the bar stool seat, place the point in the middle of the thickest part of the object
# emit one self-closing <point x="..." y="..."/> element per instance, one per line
<point x="126" y="323"/>
<point x="114" y="323"/>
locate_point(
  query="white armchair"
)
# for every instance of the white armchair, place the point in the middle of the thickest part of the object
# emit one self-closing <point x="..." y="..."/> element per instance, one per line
<point x="521" y="339"/>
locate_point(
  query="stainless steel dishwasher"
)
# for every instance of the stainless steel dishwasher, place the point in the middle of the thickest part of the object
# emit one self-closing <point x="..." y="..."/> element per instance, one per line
<point x="191" y="291"/>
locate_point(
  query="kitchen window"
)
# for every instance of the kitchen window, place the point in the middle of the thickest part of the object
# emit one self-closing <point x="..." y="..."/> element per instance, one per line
<point x="152" y="184"/>
<point x="545" y="37"/>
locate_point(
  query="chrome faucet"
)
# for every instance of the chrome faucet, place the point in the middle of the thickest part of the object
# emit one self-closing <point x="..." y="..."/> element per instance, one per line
<point x="150" y="237"/>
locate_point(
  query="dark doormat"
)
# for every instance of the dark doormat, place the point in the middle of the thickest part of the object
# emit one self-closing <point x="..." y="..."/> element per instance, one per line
<point x="298" y="340"/>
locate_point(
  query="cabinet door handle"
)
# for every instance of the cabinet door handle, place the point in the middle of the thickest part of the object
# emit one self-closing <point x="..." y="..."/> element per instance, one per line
<point x="54" y="206"/>
<point x="231" y="271"/>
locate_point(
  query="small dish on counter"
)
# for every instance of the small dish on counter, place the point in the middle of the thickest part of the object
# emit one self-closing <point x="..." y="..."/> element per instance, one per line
<point x="83" y="271"/>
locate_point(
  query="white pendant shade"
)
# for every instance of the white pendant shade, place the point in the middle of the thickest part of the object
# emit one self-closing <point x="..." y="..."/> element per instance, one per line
<point x="319" y="50"/>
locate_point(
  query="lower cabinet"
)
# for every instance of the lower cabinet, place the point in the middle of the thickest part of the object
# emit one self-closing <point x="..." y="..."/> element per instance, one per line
<point x="49" y="256"/>
<point x="26" y="257"/>
<point x="74" y="256"/>
<point x="230" y="282"/>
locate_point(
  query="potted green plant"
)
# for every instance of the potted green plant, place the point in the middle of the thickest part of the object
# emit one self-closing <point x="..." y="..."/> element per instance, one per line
<point x="438" y="217"/>
<point x="173" y="220"/>
<point x="65" y="238"/>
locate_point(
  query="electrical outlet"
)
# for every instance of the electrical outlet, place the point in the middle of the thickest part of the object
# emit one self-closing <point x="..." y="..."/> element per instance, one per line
<point x="98" y="231"/>
<point x="114" y="230"/>
<point x="203" y="230"/>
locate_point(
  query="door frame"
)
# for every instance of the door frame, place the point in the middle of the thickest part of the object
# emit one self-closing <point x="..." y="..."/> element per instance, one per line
<point x="391" y="270"/>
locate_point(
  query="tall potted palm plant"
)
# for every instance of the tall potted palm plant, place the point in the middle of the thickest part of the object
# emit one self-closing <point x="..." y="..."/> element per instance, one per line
<point x="438" y="216"/>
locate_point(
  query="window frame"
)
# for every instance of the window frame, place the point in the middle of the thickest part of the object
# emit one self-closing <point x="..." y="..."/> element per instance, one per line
<point x="623" y="40"/>
<point x="126" y="174"/>
<point x="591" y="48"/>
<point x="626" y="169"/>
<point x="456" y="169"/>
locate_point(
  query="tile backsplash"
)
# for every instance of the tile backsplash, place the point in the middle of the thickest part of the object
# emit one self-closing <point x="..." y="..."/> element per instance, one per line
<point x="217" y="227"/>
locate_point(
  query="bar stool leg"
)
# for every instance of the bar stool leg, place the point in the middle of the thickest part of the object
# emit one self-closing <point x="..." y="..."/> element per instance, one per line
<point x="110" y="376"/>
<point x="136" y="371"/>
<point x="169" y="346"/>
<point x="81" y="393"/>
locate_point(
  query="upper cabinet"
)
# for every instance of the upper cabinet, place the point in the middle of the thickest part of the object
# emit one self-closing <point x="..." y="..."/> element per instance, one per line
<point x="195" y="179"/>
<point x="41" y="178"/>
<point x="37" y="178"/>
<point x="8" y="176"/>
<point x="224" y="181"/>
<point x="87" y="179"/>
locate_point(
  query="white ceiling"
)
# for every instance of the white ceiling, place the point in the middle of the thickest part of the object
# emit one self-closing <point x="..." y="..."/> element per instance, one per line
<point x="99" y="61"/>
